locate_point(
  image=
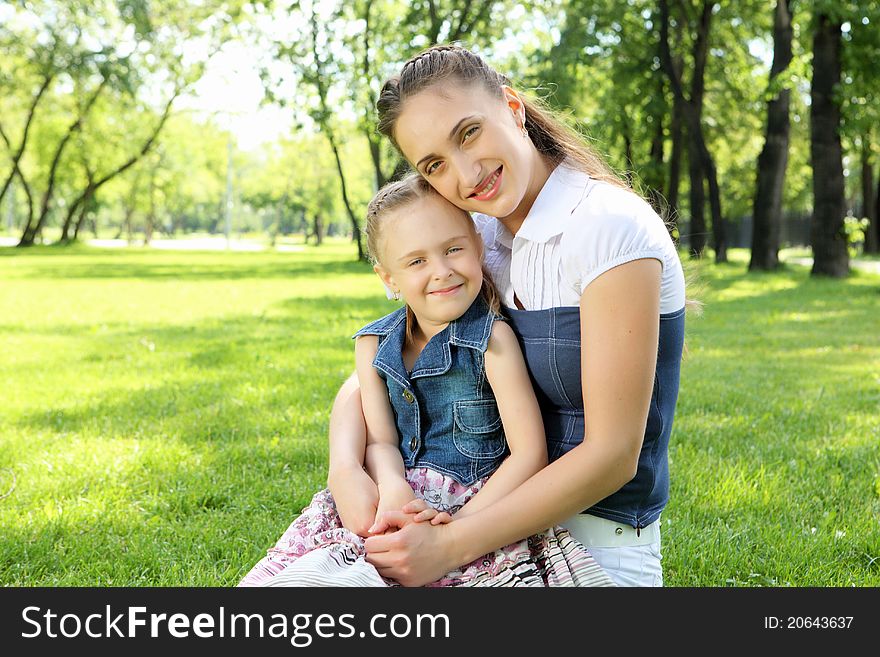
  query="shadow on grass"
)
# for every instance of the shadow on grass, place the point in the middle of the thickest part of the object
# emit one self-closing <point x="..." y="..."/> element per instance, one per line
<point x="224" y="374"/>
<point x="280" y="267"/>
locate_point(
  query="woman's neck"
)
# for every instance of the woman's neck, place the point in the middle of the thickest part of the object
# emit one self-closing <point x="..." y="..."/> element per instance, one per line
<point x="542" y="167"/>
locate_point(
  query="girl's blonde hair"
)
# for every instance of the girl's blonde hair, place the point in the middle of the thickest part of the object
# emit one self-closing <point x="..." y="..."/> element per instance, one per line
<point x="399" y="194"/>
<point x="551" y="136"/>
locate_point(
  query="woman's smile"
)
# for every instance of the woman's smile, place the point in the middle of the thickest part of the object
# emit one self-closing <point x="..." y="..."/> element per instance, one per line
<point x="489" y="186"/>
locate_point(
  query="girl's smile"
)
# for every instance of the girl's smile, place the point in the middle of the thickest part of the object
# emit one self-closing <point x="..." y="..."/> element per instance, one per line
<point x="447" y="291"/>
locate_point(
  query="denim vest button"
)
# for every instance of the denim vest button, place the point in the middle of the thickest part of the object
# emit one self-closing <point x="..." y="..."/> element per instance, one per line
<point x="618" y="531"/>
<point x="413" y="443"/>
<point x="408" y="396"/>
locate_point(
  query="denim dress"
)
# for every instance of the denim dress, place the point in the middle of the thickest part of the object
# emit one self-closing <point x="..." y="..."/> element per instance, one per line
<point x="444" y="410"/>
<point x="550" y="340"/>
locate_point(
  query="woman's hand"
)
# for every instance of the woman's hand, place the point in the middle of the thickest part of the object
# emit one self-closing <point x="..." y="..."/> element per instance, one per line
<point x="418" y="553"/>
<point x="357" y="499"/>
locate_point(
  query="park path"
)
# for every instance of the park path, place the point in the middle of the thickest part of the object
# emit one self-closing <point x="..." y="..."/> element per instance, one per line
<point x="219" y="244"/>
<point x="871" y="266"/>
<point x="193" y="244"/>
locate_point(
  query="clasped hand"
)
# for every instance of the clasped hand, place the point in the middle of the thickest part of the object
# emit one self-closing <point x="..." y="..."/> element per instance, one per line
<point x="411" y="545"/>
<point x="415" y="510"/>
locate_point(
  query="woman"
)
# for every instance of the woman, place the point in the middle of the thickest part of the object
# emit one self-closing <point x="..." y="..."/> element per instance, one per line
<point x="595" y="293"/>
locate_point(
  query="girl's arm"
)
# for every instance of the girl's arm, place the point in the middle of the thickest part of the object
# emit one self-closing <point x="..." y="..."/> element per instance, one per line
<point x="383" y="459"/>
<point x="354" y="492"/>
<point x="619" y="334"/>
<point x="520" y="414"/>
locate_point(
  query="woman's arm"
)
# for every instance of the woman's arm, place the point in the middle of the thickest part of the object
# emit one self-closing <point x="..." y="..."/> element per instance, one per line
<point x="619" y="334"/>
<point x="383" y="459"/>
<point x="520" y="414"/>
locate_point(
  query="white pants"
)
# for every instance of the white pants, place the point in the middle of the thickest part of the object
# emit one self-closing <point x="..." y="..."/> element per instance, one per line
<point x="629" y="558"/>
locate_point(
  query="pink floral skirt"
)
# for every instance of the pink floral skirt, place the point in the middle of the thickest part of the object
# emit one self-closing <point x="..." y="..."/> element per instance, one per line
<point x="316" y="550"/>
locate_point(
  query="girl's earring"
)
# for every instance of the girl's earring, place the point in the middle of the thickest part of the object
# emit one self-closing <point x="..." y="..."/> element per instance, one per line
<point x="397" y="296"/>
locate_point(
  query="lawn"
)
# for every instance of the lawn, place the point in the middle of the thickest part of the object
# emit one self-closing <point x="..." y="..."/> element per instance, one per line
<point x="163" y="416"/>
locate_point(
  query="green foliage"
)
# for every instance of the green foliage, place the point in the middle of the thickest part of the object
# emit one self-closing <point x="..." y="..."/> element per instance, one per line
<point x="855" y="233"/>
<point x="87" y="85"/>
<point x="597" y="62"/>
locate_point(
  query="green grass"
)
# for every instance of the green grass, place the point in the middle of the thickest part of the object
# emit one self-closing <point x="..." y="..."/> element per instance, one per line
<point x="164" y="415"/>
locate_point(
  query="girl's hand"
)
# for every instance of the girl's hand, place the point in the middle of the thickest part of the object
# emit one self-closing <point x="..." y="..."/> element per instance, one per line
<point x="391" y="498"/>
<point x="357" y="499"/>
<point x="423" y="513"/>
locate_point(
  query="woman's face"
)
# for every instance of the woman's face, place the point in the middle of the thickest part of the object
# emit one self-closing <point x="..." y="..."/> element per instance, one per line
<point x="470" y="146"/>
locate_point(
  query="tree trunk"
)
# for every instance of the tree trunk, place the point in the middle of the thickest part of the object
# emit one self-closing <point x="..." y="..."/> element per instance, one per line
<point x="697" y="229"/>
<point x="701" y="163"/>
<point x="869" y="201"/>
<point x="355" y="228"/>
<point x="719" y="225"/>
<point x="323" y="118"/>
<point x="87" y="209"/>
<point x="16" y="157"/>
<point x="874" y="226"/>
<point x="628" y="154"/>
<point x="79" y="222"/>
<point x="656" y="183"/>
<point x="31" y="231"/>
<point x="368" y="123"/>
<point x="30" y="205"/>
<point x="319" y="229"/>
<point x="827" y="235"/>
<point x="129" y="211"/>
<point x="71" y="211"/>
<point x="150" y="218"/>
<point x="675" y="166"/>
<point x="772" y="161"/>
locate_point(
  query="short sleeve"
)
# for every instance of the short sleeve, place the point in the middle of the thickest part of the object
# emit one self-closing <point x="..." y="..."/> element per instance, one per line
<point x="485" y="226"/>
<point x="611" y="226"/>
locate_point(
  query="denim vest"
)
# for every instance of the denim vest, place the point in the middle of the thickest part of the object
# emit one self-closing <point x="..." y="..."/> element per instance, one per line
<point x="551" y="343"/>
<point x="445" y="411"/>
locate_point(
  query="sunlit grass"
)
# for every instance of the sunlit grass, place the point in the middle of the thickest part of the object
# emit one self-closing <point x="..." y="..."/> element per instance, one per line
<point x="164" y="415"/>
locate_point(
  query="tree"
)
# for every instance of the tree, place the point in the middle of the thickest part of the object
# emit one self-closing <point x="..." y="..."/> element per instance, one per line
<point x="773" y="161"/>
<point x="343" y="52"/>
<point x="701" y="164"/>
<point x="827" y="236"/>
<point x="79" y="56"/>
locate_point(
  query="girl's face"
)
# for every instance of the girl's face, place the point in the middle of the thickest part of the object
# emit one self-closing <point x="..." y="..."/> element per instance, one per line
<point x="430" y="255"/>
<point x="470" y="146"/>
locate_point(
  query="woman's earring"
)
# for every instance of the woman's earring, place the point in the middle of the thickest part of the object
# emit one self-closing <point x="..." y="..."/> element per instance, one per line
<point x="525" y="133"/>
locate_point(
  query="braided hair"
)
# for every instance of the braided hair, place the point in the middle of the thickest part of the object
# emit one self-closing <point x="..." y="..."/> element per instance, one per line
<point x="441" y="63"/>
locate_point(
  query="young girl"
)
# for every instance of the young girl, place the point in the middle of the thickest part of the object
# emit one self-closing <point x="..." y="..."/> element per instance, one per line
<point x="451" y="417"/>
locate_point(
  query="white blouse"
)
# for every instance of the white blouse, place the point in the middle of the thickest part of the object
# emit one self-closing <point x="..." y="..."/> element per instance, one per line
<point x="577" y="229"/>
